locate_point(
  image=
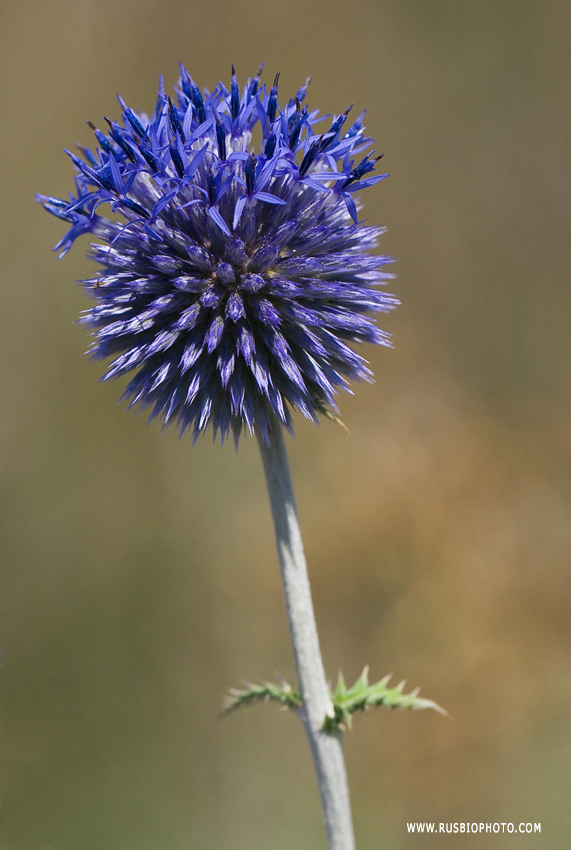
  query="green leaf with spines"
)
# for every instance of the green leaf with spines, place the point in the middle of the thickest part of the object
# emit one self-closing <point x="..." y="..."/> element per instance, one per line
<point x="346" y="701"/>
<point x="360" y="697"/>
<point x="285" y="694"/>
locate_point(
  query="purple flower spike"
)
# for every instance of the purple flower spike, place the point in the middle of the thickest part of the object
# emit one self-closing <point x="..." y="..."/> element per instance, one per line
<point x="233" y="282"/>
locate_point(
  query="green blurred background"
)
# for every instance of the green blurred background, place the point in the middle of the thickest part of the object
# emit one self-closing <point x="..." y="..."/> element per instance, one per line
<point x="139" y="579"/>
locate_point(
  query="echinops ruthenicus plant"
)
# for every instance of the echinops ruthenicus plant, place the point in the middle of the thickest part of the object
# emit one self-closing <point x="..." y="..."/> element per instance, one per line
<point x="233" y="284"/>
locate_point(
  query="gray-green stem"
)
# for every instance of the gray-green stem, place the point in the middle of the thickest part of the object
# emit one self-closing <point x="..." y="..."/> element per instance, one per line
<point x="326" y="747"/>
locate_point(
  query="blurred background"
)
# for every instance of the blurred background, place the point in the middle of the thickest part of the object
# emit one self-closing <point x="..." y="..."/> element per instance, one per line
<point x="139" y="579"/>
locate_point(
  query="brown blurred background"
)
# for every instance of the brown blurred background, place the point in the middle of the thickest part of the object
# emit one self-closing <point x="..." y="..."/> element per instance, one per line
<point x="139" y="579"/>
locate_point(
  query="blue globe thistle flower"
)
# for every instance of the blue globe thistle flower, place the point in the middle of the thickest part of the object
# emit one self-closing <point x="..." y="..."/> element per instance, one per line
<point x="231" y="282"/>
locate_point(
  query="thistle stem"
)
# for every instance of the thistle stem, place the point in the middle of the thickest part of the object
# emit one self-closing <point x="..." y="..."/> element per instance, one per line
<point x="326" y="747"/>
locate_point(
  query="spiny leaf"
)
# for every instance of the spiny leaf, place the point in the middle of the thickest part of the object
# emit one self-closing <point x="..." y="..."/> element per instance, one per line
<point x="346" y="701"/>
<point x="363" y="696"/>
<point x="285" y="694"/>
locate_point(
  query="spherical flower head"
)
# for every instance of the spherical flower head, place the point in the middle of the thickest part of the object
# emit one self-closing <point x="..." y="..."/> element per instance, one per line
<point x="232" y="282"/>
